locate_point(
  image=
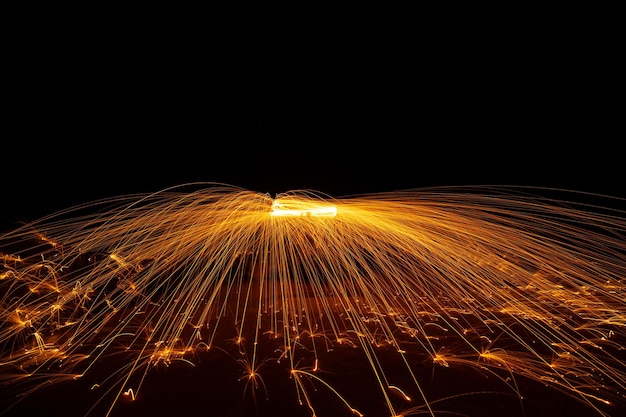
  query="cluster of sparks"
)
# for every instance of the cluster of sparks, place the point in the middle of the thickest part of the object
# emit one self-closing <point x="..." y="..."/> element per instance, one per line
<point x="500" y="281"/>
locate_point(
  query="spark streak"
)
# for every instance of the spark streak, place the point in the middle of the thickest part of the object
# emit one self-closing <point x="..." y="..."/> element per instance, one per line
<point x="500" y="281"/>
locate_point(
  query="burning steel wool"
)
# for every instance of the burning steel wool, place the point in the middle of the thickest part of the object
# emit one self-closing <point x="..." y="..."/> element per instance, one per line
<point x="499" y="283"/>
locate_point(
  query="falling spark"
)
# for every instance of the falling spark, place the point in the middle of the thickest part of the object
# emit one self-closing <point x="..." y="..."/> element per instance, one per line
<point x="502" y="281"/>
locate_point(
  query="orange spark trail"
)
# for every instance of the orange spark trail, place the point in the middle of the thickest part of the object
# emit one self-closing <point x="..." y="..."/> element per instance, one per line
<point x="501" y="281"/>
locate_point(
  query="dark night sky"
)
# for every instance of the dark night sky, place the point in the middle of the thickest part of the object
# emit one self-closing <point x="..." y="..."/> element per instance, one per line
<point x="122" y="111"/>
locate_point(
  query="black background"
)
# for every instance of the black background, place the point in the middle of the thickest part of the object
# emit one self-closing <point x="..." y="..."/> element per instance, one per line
<point x="94" y="113"/>
<point x="374" y="107"/>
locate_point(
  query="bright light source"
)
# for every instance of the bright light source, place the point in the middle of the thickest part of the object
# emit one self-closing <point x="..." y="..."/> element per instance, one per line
<point x="301" y="208"/>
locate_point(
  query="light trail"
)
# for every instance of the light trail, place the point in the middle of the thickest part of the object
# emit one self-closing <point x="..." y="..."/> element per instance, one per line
<point x="500" y="281"/>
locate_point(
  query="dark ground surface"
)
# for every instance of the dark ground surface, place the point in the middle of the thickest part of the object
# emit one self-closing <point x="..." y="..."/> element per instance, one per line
<point x="213" y="382"/>
<point x="212" y="389"/>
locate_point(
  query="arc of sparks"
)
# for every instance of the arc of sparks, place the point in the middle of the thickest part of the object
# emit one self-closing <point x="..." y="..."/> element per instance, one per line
<point x="502" y="281"/>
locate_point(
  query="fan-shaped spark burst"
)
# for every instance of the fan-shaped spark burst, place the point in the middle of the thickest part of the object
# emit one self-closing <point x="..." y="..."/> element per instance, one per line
<point x="506" y="283"/>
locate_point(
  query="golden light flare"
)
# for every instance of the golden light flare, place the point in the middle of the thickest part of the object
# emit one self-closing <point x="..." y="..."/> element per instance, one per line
<point x="294" y="206"/>
<point x="501" y="281"/>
